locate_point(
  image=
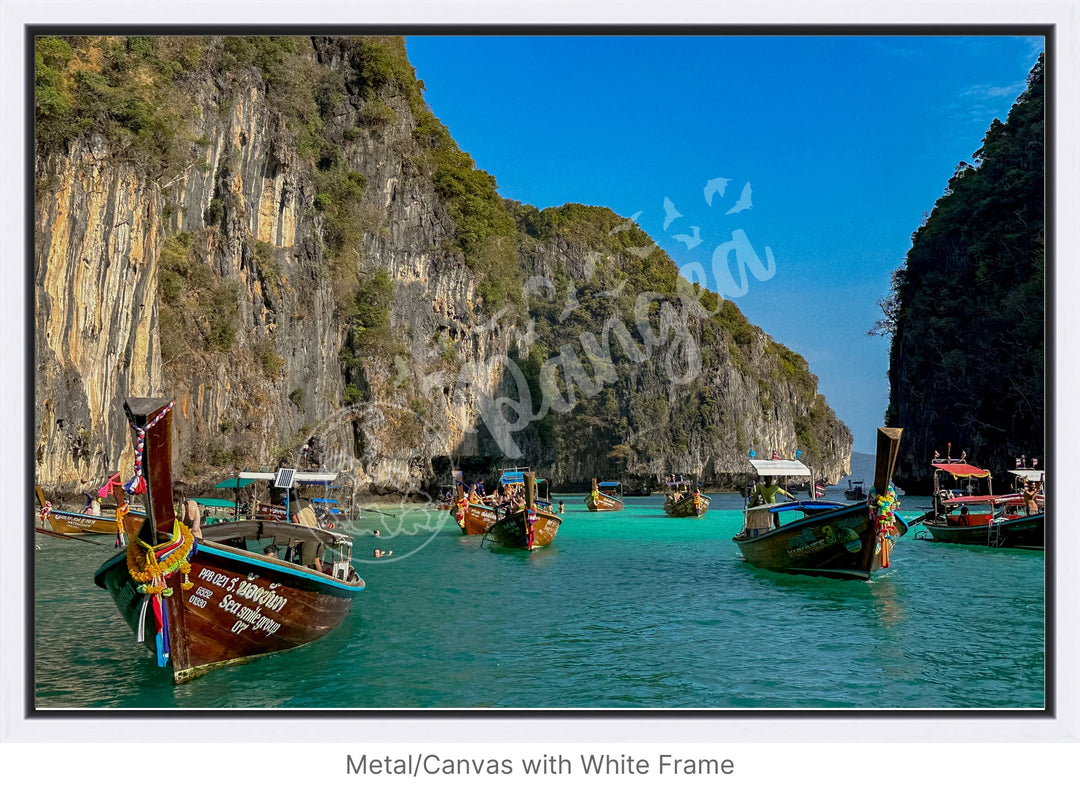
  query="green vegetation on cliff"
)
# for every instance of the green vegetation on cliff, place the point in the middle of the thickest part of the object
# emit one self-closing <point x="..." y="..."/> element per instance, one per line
<point x="967" y="311"/>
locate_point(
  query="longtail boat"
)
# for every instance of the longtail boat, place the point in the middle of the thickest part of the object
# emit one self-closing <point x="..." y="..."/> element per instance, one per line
<point x="473" y="516"/>
<point x="532" y="526"/>
<point x="605" y="497"/>
<point x="683" y="499"/>
<point x="856" y="490"/>
<point x="993" y="521"/>
<point x="207" y="599"/>
<point x="826" y="538"/>
<point x="62" y="521"/>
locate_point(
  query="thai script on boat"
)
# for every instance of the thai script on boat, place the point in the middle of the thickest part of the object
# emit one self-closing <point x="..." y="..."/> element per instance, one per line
<point x="260" y="595"/>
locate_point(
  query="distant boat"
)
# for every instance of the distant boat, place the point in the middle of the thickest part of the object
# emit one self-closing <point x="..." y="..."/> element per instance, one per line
<point x="62" y="521"/>
<point x="531" y="526"/>
<point x="993" y="521"/>
<point x="684" y="499"/>
<point x="605" y="497"/>
<point x="856" y="490"/>
<point x="471" y="511"/>
<point x="204" y="602"/>
<point x="642" y="491"/>
<point x="825" y="538"/>
<point x="475" y="517"/>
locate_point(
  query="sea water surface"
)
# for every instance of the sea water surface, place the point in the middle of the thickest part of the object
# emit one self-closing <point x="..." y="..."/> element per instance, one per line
<point x="626" y="610"/>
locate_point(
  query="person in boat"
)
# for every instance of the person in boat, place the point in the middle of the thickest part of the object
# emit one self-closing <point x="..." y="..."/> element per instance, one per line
<point x="1031" y="498"/>
<point x="192" y="519"/>
<point x="765" y="493"/>
<point x="93" y="506"/>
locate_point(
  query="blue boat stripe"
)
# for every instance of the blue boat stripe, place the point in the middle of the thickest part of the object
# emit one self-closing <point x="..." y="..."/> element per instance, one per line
<point x="306" y="573"/>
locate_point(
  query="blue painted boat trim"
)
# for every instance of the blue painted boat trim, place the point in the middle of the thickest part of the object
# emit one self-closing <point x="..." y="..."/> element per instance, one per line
<point x="310" y="575"/>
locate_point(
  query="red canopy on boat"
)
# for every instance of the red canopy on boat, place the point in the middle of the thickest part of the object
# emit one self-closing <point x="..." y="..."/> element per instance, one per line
<point x="971" y="499"/>
<point x="962" y="469"/>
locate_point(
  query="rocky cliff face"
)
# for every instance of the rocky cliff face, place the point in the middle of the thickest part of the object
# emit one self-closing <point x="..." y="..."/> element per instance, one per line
<point x="968" y="310"/>
<point x="307" y="276"/>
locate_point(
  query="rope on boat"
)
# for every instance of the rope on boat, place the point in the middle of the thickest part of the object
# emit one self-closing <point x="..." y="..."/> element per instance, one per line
<point x="137" y="484"/>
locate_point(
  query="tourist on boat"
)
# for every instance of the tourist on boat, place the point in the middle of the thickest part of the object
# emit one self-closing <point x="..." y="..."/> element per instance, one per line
<point x="93" y="506"/>
<point x="191" y="518"/>
<point x="765" y="493"/>
<point x="1031" y="502"/>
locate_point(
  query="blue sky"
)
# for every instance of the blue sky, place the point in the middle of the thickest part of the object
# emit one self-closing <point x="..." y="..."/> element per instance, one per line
<point x="846" y="142"/>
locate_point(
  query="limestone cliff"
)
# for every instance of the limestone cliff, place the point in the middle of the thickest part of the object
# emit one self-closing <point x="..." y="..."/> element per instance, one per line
<point x="279" y="234"/>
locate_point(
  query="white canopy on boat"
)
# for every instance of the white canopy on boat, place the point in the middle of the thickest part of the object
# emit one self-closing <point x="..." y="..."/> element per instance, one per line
<point x="1030" y="475"/>
<point x="779" y="467"/>
<point x="286" y="477"/>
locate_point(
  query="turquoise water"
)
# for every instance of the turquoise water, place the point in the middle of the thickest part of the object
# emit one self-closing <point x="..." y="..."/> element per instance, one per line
<point x="625" y="610"/>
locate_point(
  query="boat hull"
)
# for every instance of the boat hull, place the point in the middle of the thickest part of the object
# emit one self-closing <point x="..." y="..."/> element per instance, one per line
<point x="838" y="544"/>
<point x="688" y="506"/>
<point x="478" y="518"/>
<point x="241" y="606"/>
<point x="1025" y="531"/>
<point x="512" y="531"/>
<point x="603" y="503"/>
<point x="64" y="522"/>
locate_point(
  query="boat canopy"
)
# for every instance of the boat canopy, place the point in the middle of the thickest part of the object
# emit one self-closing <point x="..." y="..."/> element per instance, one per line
<point x="1030" y="475"/>
<point x="962" y="469"/>
<point x="779" y="467"/>
<point x="971" y="499"/>
<point x="233" y="484"/>
<point x="324" y="500"/>
<point x="609" y="484"/>
<point x="806" y="506"/>
<point x="286" y="477"/>
<point x="516" y="477"/>
<point x="220" y="502"/>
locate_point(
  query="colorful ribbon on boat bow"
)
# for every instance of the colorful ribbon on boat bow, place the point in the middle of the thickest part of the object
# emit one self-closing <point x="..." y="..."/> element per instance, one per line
<point x="883" y="515"/>
<point x="149" y="566"/>
<point x="45" y="510"/>
<point x="530" y="520"/>
<point x="137" y="484"/>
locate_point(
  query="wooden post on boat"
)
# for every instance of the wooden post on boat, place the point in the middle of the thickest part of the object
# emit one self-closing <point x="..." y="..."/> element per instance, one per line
<point x="530" y="490"/>
<point x="888" y="447"/>
<point x="156" y="464"/>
